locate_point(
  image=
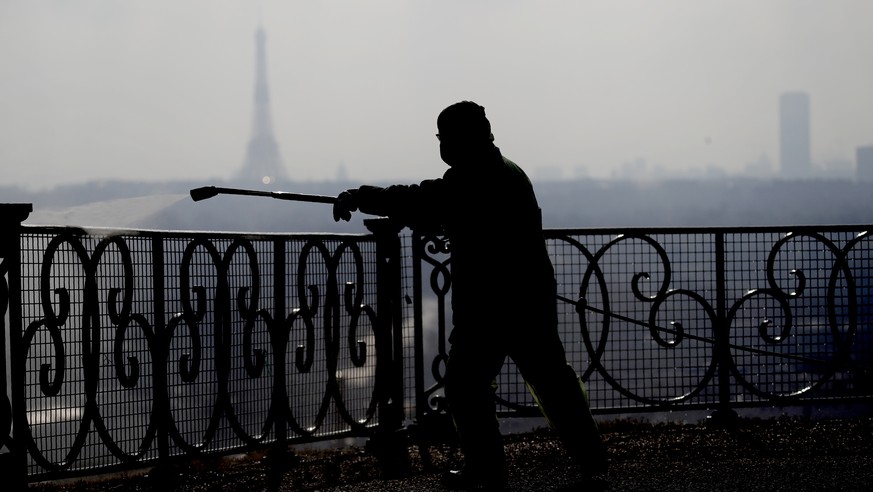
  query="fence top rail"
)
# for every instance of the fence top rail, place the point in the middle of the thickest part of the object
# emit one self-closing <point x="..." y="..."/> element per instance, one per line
<point x="548" y="232"/>
<point x="860" y="228"/>
<point x="151" y="233"/>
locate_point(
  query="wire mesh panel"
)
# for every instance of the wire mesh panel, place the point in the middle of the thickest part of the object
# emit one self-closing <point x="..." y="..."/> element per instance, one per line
<point x="408" y="327"/>
<point x="654" y="319"/>
<point x="218" y="299"/>
<point x="636" y="315"/>
<point x="800" y="318"/>
<point x="144" y="345"/>
<point x="331" y="364"/>
<point x="89" y="343"/>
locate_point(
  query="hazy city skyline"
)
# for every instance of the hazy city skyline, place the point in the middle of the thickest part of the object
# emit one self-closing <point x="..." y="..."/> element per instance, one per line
<point x="794" y="136"/>
<point x="155" y="91"/>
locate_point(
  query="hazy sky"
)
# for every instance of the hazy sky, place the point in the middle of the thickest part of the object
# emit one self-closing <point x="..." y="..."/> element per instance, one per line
<point x="162" y="89"/>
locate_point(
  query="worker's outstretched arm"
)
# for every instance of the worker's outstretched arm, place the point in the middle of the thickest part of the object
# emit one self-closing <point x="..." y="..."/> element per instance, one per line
<point x="409" y="204"/>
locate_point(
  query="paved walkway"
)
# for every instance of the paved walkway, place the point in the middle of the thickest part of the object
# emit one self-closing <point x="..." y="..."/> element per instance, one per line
<point x="770" y="456"/>
<point x="773" y="455"/>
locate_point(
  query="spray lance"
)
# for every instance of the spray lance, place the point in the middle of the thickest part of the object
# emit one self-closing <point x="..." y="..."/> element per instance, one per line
<point x="206" y="192"/>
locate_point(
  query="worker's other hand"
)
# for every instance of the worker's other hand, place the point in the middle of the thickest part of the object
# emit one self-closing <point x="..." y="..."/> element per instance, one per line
<point x="346" y="203"/>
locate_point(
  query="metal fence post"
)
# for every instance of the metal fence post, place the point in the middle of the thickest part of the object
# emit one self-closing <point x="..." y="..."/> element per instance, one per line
<point x="161" y="351"/>
<point x="278" y="456"/>
<point x="389" y="369"/>
<point x="724" y="415"/>
<point x="421" y="406"/>
<point x="388" y="444"/>
<point x="13" y="464"/>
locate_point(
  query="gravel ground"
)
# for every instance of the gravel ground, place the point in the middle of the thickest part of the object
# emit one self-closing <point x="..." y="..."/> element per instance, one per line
<point x="759" y="455"/>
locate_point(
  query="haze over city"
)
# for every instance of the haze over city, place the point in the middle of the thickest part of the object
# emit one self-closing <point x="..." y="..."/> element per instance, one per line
<point x="161" y="90"/>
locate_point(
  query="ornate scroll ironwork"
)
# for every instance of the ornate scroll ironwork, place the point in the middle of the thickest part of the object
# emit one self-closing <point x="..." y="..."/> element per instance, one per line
<point x="656" y="325"/>
<point x="434" y="251"/>
<point x="144" y="345"/>
<point x="212" y="375"/>
<point x="57" y="314"/>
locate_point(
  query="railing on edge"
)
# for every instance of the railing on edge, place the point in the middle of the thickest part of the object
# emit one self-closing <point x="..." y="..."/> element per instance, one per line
<point x="686" y="318"/>
<point x="131" y="348"/>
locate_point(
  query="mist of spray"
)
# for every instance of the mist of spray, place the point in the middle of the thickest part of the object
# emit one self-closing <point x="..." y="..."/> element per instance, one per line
<point x="121" y="213"/>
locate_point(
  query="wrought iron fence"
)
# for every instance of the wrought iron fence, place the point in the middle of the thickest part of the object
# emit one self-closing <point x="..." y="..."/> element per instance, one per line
<point x="682" y="319"/>
<point x="124" y="348"/>
<point x="133" y="347"/>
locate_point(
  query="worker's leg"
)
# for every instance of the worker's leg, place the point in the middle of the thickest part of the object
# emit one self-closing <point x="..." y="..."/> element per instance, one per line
<point x="560" y="395"/>
<point x="473" y="364"/>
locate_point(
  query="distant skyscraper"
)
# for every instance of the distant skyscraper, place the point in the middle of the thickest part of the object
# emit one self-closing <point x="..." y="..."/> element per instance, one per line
<point x="794" y="153"/>
<point x="865" y="164"/>
<point x="262" y="164"/>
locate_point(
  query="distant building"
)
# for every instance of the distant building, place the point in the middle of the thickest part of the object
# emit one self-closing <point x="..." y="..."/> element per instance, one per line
<point x="838" y="168"/>
<point x="548" y="173"/>
<point x="263" y="165"/>
<point x="794" y="135"/>
<point x="865" y="163"/>
<point x="342" y="174"/>
<point x="761" y="168"/>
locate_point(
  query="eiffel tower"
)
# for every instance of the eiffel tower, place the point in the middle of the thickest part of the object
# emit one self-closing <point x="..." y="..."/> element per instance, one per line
<point x="263" y="165"/>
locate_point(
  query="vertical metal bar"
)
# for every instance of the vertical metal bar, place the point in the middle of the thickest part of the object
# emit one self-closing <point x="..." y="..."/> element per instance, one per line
<point x="6" y="427"/>
<point x="277" y="459"/>
<point x="724" y="415"/>
<point x="388" y="445"/>
<point x="389" y="366"/>
<point x="14" y="467"/>
<point x="161" y="351"/>
<point x="280" y="343"/>
<point x="418" y="334"/>
<point x="395" y="275"/>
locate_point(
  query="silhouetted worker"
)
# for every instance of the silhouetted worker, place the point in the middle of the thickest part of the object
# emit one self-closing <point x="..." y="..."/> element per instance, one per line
<point x="503" y="293"/>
